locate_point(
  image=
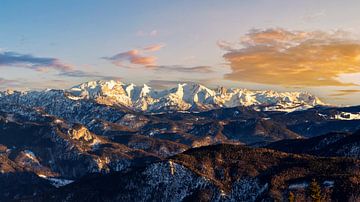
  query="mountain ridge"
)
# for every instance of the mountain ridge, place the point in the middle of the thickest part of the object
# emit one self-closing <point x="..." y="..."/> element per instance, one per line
<point x="48" y="140"/>
<point x="188" y="96"/>
<point x="183" y="97"/>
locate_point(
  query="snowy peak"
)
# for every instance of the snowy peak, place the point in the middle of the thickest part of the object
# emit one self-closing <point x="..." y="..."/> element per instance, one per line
<point x="109" y="92"/>
<point x="192" y="93"/>
<point x="188" y="96"/>
<point x="93" y="89"/>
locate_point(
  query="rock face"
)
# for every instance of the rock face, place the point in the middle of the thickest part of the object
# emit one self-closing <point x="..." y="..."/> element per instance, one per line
<point x="80" y="132"/>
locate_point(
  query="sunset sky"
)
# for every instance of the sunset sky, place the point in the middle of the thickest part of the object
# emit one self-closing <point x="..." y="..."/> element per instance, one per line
<point x="280" y="45"/>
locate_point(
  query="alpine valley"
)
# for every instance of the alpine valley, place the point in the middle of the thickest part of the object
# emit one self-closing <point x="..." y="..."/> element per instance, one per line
<point x="112" y="141"/>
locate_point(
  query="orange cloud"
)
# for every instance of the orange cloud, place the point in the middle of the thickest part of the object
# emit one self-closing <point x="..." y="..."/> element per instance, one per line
<point x="154" y="47"/>
<point x="225" y="45"/>
<point x="136" y="57"/>
<point x="140" y="60"/>
<point x="294" y="58"/>
<point x="345" y="92"/>
<point x="183" y="69"/>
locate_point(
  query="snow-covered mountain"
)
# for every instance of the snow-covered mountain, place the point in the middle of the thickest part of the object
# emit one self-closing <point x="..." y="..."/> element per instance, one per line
<point x="188" y="97"/>
<point x="50" y="138"/>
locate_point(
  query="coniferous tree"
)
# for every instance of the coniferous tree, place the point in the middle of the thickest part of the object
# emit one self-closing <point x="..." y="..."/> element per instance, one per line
<point x="291" y="197"/>
<point x="315" y="191"/>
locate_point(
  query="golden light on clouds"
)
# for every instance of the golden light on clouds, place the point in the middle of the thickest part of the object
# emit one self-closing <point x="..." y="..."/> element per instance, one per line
<point x="136" y="57"/>
<point x="344" y="92"/>
<point x="294" y="58"/>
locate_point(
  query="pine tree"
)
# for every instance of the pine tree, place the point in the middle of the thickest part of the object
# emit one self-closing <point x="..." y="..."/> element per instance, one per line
<point x="315" y="191"/>
<point x="291" y="197"/>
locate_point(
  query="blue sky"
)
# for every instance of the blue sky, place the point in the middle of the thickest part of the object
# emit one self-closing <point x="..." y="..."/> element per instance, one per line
<point x="47" y="44"/>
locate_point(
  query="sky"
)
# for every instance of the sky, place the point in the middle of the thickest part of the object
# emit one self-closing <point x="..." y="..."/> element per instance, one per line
<point x="311" y="46"/>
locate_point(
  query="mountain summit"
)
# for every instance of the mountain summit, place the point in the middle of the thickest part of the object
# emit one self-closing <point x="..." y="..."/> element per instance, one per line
<point x="188" y="97"/>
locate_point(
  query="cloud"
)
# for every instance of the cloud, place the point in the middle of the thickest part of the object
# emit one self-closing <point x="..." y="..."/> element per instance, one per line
<point x="294" y="58"/>
<point x="345" y="92"/>
<point x="135" y="57"/>
<point x="132" y="57"/>
<point x="162" y="84"/>
<point x="42" y="64"/>
<point x="182" y="69"/>
<point x="225" y="45"/>
<point x="143" y="60"/>
<point x="314" y="16"/>
<point x="82" y="74"/>
<point x="5" y="83"/>
<point x="154" y="47"/>
<point x="2" y="81"/>
<point x="78" y="73"/>
<point x="14" y="59"/>
<point x="151" y="33"/>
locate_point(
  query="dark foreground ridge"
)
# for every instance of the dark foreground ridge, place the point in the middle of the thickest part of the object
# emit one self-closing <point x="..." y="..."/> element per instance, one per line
<point x="222" y="173"/>
<point x="334" y="144"/>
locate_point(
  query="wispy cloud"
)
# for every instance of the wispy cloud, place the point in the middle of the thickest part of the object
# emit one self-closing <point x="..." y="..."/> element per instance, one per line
<point x="161" y="84"/>
<point x="136" y="57"/>
<point x="152" y="33"/>
<point x="345" y="92"/>
<point x="294" y="58"/>
<point x="225" y="45"/>
<point x="14" y="59"/>
<point x="6" y="83"/>
<point x="182" y="69"/>
<point x="314" y="16"/>
<point x="154" y="47"/>
<point x="132" y="57"/>
<point x="140" y="58"/>
<point x="78" y="73"/>
<point x="93" y="75"/>
<point x="42" y="64"/>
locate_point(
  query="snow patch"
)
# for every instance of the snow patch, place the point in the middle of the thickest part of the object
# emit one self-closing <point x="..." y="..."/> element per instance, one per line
<point x="302" y="185"/>
<point x="328" y="183"/>
<point x="347" y="116"/>
<point x="30" y="155"/>
<point x="56" y="182"/>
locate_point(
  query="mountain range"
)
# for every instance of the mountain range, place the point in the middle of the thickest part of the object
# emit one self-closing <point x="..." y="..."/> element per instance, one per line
<point x="111" y="141"/>
<point x="187" y="97"/>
